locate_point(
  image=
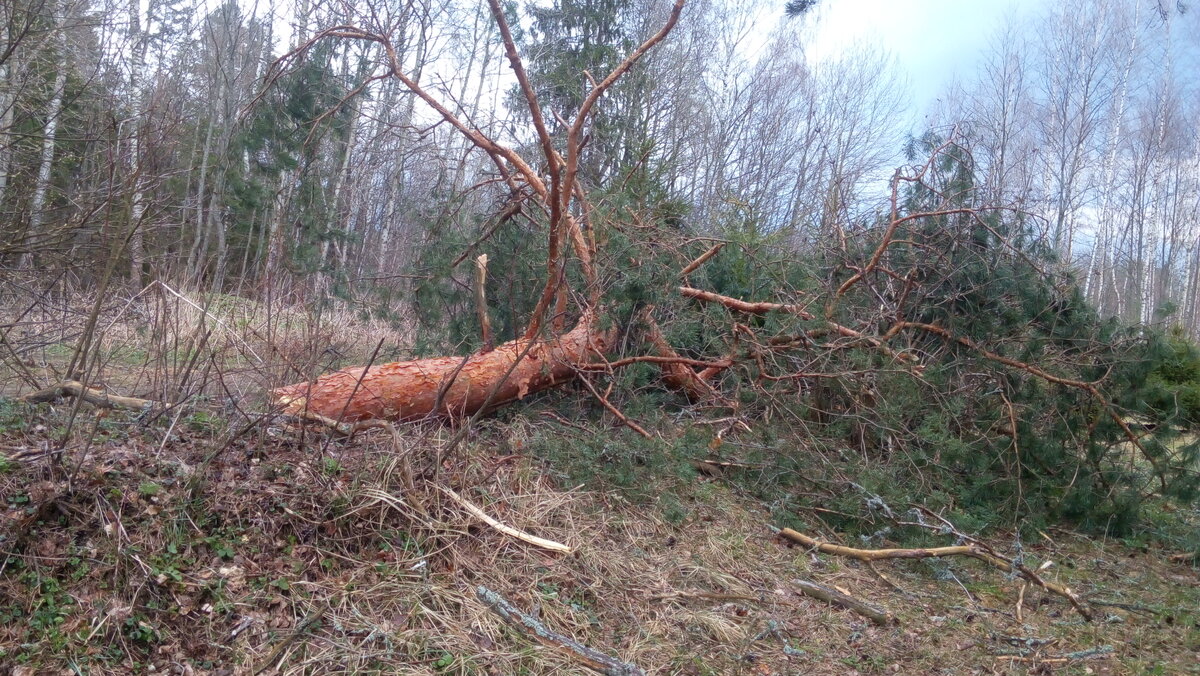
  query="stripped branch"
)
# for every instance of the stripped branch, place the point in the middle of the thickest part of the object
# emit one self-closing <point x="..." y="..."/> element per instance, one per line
<point x="748" y="307"/>
<point x="507" y="530"/>
<point x="972" y="550"/>
<point x="876" y="614"/>
<point x="704" y="258"/>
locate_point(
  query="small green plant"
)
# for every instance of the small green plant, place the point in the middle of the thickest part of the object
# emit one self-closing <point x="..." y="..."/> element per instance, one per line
<point x="140" y="631"/>
<point x="444" y="661"/>
<point x="11" y="417"/>
<point x="203" y="421"/>
<point x="149" y="489"/>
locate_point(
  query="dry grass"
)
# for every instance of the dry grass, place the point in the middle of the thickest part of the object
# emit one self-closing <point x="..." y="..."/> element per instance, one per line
<point x="163" y="342"/>
<point x="220" y="542"/>
<point x="151" y="556"/>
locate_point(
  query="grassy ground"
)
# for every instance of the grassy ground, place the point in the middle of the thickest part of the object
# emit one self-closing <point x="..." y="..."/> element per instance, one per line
<point x="212" y="540"/>
<point x="188" y="550"/>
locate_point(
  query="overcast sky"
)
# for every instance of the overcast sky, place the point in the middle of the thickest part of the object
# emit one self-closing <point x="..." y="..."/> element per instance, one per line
<point x="933" y="41"/>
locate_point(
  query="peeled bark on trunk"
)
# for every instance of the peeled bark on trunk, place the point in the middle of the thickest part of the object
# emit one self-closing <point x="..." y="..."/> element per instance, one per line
<point x="695" y="386"/>
<point x="410" y="390"/>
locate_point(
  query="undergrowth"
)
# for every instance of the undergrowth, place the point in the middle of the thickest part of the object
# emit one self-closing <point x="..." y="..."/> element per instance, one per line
<point x="185" y="547"/>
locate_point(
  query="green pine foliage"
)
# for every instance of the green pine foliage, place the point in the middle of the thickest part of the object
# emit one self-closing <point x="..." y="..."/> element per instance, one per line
<point x="988" y="280"/>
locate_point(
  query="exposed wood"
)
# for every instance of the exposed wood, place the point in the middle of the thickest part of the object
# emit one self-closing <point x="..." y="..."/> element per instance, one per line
<point x="971" y="551"/>
<point x="532" y="627"/>
<point x="704" y="258"/>
<point x="485" y="324"/>
<point x="874" y="613"/>
<point x="677" y="372"/>
<point x="754" y="308"/>
<point x="408" y="390"/>
<point x="93" y="396"/>
<point x="507" y="530"/>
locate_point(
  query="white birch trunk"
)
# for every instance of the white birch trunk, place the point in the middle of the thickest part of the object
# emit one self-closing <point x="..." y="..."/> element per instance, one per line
<point x="37" y="205"/>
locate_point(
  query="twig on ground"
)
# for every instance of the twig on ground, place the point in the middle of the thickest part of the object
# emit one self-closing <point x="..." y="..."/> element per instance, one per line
<point x="93" y="396"/>
<point x="307" y="622"/>
<point x="874" y="613"/>
<point x="593" y="659"/>
<point x="507" y="530"/>
<point x="1091" y="653"/>
<point x="972" y="551"/>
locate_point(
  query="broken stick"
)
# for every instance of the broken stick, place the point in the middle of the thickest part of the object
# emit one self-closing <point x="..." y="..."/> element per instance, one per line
<point x="92" y="396"/>
<point x="874" y="613"/>
<point x="507" y="530"/>
<point x="485" y="324"/>
<point x="971" y="551"/>
<point x="530" y="626"/>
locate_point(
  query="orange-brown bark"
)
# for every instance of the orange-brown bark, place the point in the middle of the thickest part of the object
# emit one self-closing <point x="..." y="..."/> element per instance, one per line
<point x="409" y="390"/>
<point x="678" y="375"/>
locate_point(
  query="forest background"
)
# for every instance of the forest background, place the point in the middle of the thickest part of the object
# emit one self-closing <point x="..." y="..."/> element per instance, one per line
<point x="990" y="315"/>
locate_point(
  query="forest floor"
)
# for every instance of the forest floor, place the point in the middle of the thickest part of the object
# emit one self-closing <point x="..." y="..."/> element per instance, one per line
<point x="147" y="551"/>
<point x="200" y="543"/>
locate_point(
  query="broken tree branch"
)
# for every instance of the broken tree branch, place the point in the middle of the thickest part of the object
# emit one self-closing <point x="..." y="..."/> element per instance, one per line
<point x="754" y="308"/>
<point x="973" y="551"/>
<point x="93" y="396"/>
<point x="592" y="659"/>
<point x="485" y="324"/>
<point x="507" y="530"/>
<point x="876" y="614"/>
<point x="704" y="258"/>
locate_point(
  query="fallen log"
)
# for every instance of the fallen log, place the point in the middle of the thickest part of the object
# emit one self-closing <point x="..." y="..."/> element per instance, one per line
<point x="93" y="396"/>
<point x="448" y="386"/>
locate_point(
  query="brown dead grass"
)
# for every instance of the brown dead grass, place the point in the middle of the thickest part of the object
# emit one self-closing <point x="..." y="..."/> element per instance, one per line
<point x="205" y="544"/>
<point x="162" y="560"/>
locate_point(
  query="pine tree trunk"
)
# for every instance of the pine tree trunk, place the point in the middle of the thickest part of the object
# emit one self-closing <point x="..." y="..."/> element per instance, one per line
<point x="411" y="390"/>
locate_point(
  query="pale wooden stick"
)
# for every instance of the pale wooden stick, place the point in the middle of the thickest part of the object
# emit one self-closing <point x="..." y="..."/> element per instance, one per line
<point x="507" y="530"/>
<point x="691" y="267"/>
<point x="972" y="551"/>
<point x="485" y="324"/>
